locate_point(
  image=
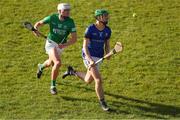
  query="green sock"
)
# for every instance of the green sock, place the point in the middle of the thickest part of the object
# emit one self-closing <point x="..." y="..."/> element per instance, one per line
<point x="53" y="83"/>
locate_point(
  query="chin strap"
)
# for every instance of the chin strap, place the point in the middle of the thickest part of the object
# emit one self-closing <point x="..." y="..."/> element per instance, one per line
<point x="64" y="17"/>
<point x="104" y="23"/>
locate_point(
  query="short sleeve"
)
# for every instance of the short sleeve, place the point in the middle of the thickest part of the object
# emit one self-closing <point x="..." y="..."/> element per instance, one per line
<point x="87" y="32"/>
<point x="46" y="20"/>
<point x="73" y="27"/>
<point x="109" y="34"/>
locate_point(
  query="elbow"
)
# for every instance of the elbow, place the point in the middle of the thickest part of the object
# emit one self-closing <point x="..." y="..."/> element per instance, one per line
<point x="38" y="24"/>
<point x="74" y="40"/>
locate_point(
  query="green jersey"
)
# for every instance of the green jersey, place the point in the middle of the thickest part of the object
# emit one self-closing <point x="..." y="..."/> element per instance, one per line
<point x="59" y="30"/>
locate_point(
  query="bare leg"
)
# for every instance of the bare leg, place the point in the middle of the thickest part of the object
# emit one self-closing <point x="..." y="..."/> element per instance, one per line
<point x="81" y="75"/>
<point x="87" y="77"/>
<point x="57" y="63"/>
<point x="47" y="63"/>
<point x="93" y="74"/>
<point x="98" y="82"/>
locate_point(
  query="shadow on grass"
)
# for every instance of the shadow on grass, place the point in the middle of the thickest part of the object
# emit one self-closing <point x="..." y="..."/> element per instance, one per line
<point x="73" y="99"/>
<point x="157" y="108"/>
<point x="153" y="107"/>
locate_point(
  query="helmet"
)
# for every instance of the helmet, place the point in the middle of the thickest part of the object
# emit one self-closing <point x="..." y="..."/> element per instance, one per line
<point x="64" y="6"/>
<point x="99" y="12"/>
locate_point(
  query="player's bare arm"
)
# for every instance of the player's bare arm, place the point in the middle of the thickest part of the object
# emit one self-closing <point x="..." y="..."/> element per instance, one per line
<point x="36" y="26"/>
<point x="86" y="51"/>
<point x="107" y="47"/>
<point x="71" y="41"/>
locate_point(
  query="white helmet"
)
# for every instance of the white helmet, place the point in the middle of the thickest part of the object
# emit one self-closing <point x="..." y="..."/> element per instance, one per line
<point x="64" y="6"/>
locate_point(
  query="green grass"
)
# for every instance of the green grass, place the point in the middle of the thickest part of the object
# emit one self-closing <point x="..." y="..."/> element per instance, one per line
<point x="142" y="82"/>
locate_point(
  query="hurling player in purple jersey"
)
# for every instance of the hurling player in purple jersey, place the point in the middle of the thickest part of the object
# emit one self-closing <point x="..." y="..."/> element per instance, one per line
<point x="96" y="42"/>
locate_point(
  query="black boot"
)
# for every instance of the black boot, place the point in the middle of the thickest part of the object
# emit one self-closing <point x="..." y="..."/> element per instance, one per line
<point x="70" y="71"/>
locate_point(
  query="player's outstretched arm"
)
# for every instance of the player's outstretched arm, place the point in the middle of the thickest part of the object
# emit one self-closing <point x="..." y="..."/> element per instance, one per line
<point x="36" y="26"/>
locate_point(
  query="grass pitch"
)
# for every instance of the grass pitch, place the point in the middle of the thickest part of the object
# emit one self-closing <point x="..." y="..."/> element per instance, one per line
<point x="142" y="82"/>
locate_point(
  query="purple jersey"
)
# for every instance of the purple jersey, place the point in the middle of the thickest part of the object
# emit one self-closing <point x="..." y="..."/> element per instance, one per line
<point x="97" y="40"/>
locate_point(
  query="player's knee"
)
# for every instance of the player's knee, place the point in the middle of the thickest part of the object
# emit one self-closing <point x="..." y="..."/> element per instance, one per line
<point x="57" y="64"/>
<point x="89" y="81"/>
<point x="49" y="63"/>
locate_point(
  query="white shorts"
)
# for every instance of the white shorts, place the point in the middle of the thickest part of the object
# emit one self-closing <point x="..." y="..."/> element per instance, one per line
<point x="86" y="62"/>
<point x="51" y="44"/>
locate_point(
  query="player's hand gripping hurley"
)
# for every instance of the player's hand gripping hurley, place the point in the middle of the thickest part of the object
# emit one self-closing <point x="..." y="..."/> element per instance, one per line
<point x="117" y="48"/>
<point x="30" y="27"/>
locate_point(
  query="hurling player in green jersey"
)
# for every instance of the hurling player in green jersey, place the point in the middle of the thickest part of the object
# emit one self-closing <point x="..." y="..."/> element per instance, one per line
<point x="60" y="25"/>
